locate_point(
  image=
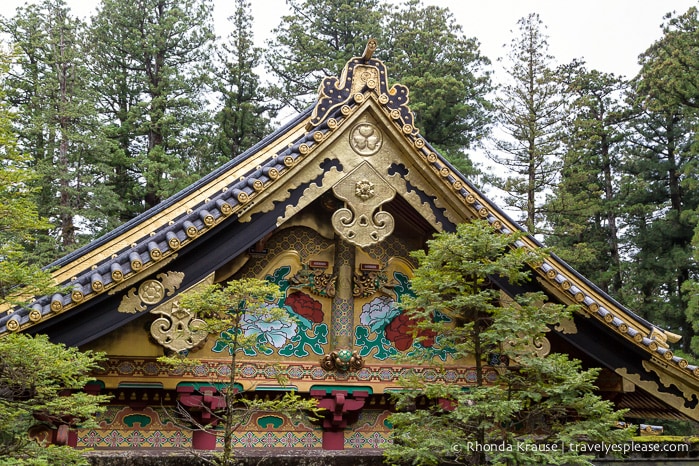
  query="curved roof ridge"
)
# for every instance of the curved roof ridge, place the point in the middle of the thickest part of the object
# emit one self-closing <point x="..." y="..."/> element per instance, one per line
<point x="171" y="200"/>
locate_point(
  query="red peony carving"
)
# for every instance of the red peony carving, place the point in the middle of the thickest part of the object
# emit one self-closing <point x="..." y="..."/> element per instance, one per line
<point x="400" y="332"/>
<point x="305" y="306"/>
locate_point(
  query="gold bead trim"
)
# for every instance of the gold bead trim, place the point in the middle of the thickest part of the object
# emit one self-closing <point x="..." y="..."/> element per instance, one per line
<point x="12" y="325"/>
<point x="77" y="296"/>
<point x="226" y="209"/>
<point x="56" y="306"/>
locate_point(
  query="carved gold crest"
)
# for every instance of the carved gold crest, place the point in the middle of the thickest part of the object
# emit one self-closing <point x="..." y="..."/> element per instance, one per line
<point x="366" y="139"/>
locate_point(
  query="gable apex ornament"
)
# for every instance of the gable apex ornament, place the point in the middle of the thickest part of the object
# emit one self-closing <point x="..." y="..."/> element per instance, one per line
<point x="360" y="75"/>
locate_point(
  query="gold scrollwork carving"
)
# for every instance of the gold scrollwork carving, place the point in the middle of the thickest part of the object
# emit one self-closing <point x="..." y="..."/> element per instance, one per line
<point x="151" y="292"/>
<point x="566" y="326"/>
<point x="541" y="346"/>
<point x="177" y="329"/>
<point x="131" y="303"/>
<point x="315" y="280"/>
<point x="368" y="283"/>
<point x="364" y="191"/>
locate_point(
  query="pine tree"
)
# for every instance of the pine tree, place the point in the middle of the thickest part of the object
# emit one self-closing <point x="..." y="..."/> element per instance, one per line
<point x="530" y="113"/>
<point x="537" y="400"/>
<point x="19" y="215"/>
<point x="447" y="76"/>
<point x="315" y="40"/>
<point x="34" y="373"/>
<point x="58" y="126"/>
<point x="584" y="208"/>
<point x="243" y="118"/>
<point x="153" y="56"/>
<point x="422" y="47"/>
<point x="663" y="179"/>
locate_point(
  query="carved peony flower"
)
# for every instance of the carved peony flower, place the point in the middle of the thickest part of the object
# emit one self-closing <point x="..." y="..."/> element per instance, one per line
<point x="401" y="329"/>
<point x="305" y="306"/>
<point x="378" y="313"/>
<point x="276" y="332"/>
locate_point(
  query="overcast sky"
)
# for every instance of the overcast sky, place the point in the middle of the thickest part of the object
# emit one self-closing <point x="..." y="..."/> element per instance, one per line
<point x="608" y="34"/>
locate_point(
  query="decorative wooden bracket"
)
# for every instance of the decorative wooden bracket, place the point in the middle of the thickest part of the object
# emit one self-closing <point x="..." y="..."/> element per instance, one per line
<point x="201" y="402"/>
<point x="343" y="408"/>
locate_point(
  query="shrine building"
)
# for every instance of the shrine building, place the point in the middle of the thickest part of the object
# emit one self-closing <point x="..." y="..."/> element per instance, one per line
<point x="329" y="206"/>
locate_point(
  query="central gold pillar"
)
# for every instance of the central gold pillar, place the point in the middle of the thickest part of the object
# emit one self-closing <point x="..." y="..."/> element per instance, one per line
<point x="342" y="315"/>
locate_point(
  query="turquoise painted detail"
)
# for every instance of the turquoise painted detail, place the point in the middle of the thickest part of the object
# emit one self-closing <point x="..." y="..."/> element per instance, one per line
<point x="378" y="314"/>
<point x="266" y="421"/>
<point x="278" y="278"/>
<point x="140" y="419"/>
<point x="403" y="288"/>
<point x="302" y="341"/>
<point x="269" y="335"/>
<point x="384" y="348"/>
<point x="434" y="351"/>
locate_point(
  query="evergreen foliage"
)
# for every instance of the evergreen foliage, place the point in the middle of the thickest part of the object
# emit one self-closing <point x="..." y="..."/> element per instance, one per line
<point x="447" y="75"/>
<point x="663" y="201"/>
<point x="529" y="110"/>
<point x="583" y="209"/>
<point x="34" y="373"/>
<point x="42" y="381"/>
<point x="423" y="47"/>
<point x="535" y="403"/>
<point x="153" y="58"/>
<point x="225" y="311"/>
<point x="57" y="125"/>
<point x="243" y="117"/>
<point x="315" y="40"/>
<point x="20" y="277"/>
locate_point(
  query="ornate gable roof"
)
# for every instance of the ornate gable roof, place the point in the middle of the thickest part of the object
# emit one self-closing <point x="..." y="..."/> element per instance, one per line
<point x="336" y="145"/>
